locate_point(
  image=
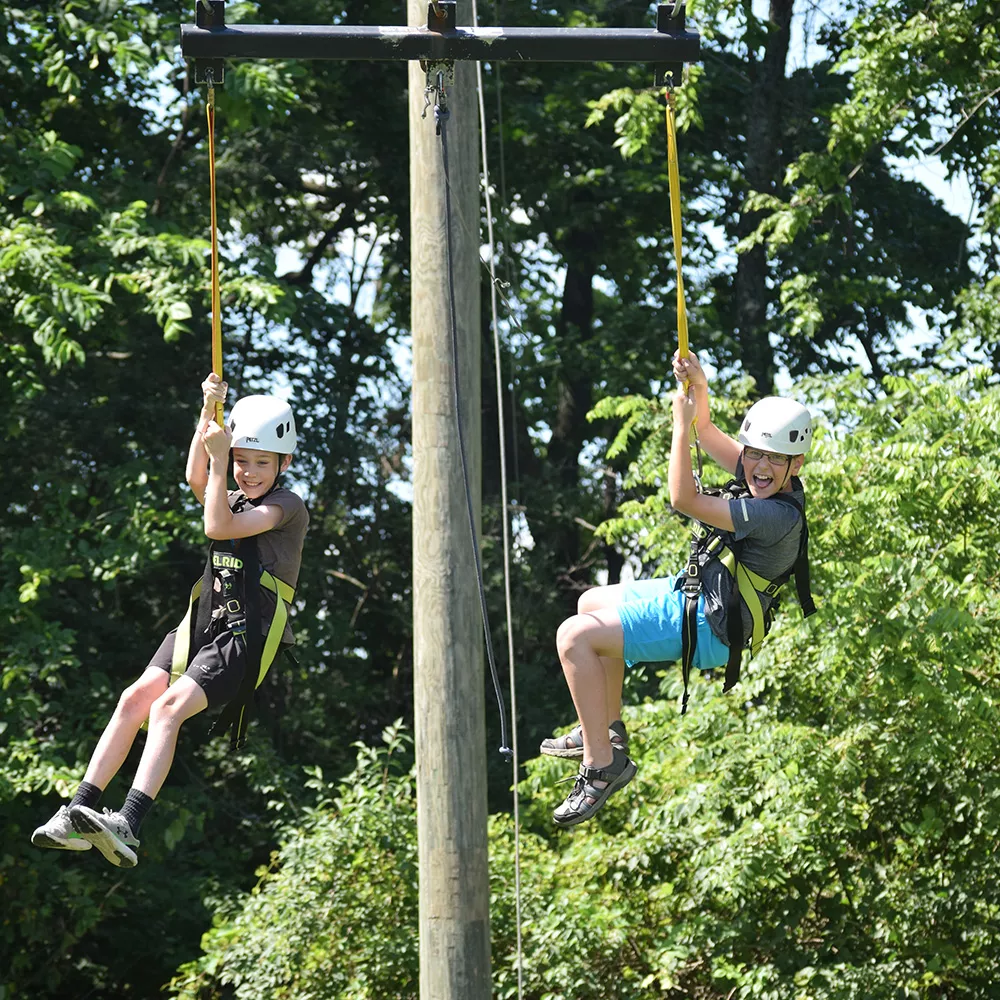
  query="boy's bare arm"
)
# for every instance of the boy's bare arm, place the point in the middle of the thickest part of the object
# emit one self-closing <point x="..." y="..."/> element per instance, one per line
<point x="213" y="390"/>
<point x="220" y="521"/>
<point x="684" y="496"/>
<point x="721" y="448"/>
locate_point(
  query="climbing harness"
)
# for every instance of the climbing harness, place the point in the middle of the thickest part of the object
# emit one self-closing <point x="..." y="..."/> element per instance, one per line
<point x="232" y="564"/>
<point x="708" y="543"/>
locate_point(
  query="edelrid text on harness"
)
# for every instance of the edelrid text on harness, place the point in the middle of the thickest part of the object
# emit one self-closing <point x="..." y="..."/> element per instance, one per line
<point x="232" y="564"/>
<point x="711" y="543"/>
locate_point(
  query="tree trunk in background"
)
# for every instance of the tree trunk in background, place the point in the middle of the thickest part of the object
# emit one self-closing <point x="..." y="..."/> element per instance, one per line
<point x="575" y="397"/>
<point x="761" y="171"/>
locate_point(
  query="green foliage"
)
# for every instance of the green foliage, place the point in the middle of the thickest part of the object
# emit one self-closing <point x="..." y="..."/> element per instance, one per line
<point x="826" y="832"/>
<point x="922" y="78"/>
<point x="849" y="812"/>
<point x="332" y="915"/>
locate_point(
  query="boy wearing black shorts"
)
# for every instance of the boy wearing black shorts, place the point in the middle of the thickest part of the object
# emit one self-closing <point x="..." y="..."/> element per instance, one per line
<point x="203" y="663"/>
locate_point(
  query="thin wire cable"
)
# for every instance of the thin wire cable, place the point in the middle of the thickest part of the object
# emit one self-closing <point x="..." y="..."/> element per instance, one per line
<point x="441" y="115"/>
<point x="508" y="265"/>
<point x="505" y="513"/>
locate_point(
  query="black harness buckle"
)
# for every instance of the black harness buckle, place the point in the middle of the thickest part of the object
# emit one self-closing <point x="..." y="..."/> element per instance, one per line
<point x="691" y="585"/>
<point x="236" y="620"/>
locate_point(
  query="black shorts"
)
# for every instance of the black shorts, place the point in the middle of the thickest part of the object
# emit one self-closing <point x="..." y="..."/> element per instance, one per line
<point x="217" y="668"/>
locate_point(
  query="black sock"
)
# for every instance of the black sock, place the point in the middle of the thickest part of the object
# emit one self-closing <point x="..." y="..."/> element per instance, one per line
<point x="87" y="795"/>
<point x="136" y="806"/>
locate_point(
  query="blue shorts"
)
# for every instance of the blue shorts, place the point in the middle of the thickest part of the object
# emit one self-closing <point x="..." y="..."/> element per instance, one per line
<point x="651" y="612"/>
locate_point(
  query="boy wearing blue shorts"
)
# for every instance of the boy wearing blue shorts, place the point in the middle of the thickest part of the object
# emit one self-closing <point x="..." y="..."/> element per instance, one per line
<point x="212" y="659"/>
<point x="643" y="621"/>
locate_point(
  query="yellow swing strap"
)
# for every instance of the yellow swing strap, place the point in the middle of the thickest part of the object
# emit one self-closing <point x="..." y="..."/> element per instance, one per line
<point x="673" y="177"/>
<point x="216" y="298"/>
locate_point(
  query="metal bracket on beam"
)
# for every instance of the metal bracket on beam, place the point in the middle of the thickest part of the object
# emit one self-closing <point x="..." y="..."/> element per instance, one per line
<point x="442" y="16"/>
<point x="440" y="76"/>
<point x="442" y="19"/>
<point x="210" y="15"/>
<point x="670" y="21"/>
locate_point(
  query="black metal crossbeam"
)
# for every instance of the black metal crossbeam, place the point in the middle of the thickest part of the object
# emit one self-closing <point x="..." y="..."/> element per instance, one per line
<point x="308" y="41"/>
<point x="210" y="41"/>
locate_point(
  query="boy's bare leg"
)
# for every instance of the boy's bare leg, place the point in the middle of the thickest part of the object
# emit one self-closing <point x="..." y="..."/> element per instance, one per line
<point x="585" y="642"/>
<point x="182" y="700"/>
<point x="597" y="599"/>
<point x="120" y="733"/>
<point x="614" y="678"/>
<point x="115" y="834"/>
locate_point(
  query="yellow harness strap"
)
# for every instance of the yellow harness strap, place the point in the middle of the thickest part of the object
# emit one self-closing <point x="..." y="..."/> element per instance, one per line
<point x="182" y="640"/>
<point x="751" y="585"/>
<point x="284" y="595"/>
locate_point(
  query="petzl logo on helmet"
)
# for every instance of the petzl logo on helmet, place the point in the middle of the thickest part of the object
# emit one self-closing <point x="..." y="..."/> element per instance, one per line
<point x="255" y="440"/>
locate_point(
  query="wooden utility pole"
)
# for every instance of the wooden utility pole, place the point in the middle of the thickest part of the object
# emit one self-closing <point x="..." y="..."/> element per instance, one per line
<point x="448" y="702"/>
<point x="448" y="683"/>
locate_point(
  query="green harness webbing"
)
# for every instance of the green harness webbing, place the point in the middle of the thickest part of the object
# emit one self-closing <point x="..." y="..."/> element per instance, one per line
<point x="706" y="544"/>
<point x="284" y="597"/>
<point x="233" y="563"/>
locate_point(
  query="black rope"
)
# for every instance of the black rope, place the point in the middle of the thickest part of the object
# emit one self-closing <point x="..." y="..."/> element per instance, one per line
<point x="441" y="116"/>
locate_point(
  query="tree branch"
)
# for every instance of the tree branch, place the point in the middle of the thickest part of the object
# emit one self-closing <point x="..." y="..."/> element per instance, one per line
<point x="965" y="121"/>
<point x="175" y="148"/>
<point x="350" y="199"/>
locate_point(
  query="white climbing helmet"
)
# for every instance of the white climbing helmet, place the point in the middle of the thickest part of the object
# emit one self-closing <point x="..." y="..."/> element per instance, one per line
<point x="777" y="424"/>
<point x="263" y="423"/>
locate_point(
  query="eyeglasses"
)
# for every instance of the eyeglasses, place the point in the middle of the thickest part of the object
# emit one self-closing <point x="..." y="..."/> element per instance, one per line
<point x="776" y="460"/>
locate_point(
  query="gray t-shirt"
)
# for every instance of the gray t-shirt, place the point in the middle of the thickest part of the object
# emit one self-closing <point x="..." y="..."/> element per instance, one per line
<point x="280" y="549"/>
<point x="772" y="531"/>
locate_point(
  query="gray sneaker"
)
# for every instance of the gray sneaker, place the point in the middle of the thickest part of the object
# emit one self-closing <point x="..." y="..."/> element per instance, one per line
<point x="59" y="834"/>
<point x="109" y="832"/>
